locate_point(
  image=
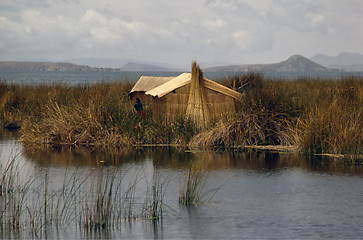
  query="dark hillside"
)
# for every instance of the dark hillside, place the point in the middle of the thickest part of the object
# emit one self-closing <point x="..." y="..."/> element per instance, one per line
<point x="41" y="66"/>
<point x="294" y="63"/>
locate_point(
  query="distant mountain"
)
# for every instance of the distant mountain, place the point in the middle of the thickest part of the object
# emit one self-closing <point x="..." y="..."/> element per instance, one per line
<point x="294" y="63"/>
<point x="41" y="66"/>
<point x="345" y="60"/>
<point x="139" y="67"/>
<point x="114" y="63"/>
<point x="352" y="68"/>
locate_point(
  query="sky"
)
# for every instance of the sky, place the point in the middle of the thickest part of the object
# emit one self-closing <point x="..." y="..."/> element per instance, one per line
<point x="175" y="32"/>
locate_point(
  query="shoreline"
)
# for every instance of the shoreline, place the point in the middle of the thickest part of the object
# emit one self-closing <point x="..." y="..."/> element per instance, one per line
<point x="282" y="149"/>
<point x="306" y="115"/>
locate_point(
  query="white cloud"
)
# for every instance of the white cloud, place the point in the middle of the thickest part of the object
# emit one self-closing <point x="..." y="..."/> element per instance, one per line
<point x="243" y="40"/>
<point x="109" y="30"/>
<point x="318" y="23"/>
<point x="162" y="31"/>
<point x="214" y="24"/>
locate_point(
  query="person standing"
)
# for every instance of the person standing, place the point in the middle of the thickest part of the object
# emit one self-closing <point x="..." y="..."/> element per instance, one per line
<point x="138" y="107"/>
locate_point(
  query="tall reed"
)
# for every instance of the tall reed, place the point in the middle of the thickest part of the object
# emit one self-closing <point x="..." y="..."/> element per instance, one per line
<point x="97" y="212"/>
<point x="191" y="194"/>
<point x="13" y="196"/>
<point x="317" y="115"/>
<point x="334" y="124"/>
<point x="264" y="117"/>
<point x="94" y="201"/>
<point x="194" y="190"/>
<point x="153" y="203"/>
<point x="85" y="116"/>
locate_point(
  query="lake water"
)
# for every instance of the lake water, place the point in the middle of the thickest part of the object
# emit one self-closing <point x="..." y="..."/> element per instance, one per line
<point x="250" y="194"/>
<point x="86" y="78"/>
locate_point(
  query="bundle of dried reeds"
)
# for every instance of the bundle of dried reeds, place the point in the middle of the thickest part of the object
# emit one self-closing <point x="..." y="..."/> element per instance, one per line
<point x="197" y="109"/>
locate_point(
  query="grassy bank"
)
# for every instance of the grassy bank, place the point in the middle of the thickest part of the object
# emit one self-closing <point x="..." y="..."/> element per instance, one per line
<point x="320" y="116"/>
<point x="317" y="115"/>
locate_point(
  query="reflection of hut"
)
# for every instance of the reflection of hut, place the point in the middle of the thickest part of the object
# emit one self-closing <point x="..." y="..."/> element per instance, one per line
<point x="188" y="95"/>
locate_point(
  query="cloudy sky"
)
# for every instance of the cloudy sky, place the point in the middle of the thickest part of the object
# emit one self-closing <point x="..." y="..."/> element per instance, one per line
<point x="175" y="32"/>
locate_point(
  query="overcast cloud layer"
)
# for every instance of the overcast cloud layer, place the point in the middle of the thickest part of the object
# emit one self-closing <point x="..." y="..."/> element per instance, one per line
<point x="177" y="32"/>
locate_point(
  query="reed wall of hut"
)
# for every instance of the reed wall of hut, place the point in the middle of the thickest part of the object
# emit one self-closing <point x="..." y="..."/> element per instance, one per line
<point x="171" y="106"/>
<point x="174" y="104"/>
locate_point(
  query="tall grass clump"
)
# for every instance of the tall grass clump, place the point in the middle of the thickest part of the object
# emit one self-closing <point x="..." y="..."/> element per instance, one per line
<point x="20" y="102"/>
<point x="176" y="132"/>
<point x="317" y="115"/>
<point x="99" y="115"/>
<point x="194" y="192"/>
<point x="263" y="117"/>
<point x="89" y="115"/>
<point x="154" y="205"/>
<point x="97" y="212"/>
<point x="191" y="194"/>
<point x="78" y="115"/>
<point x="334" y="123"/>
<point x="13" y="197"/>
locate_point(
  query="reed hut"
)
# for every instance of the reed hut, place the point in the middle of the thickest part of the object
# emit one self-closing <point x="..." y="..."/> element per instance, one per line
<point x="188" y="95"/>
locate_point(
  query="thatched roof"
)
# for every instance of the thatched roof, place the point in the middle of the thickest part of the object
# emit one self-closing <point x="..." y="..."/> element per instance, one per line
<point x="220" y="88"/>
<point x="160" y="86"/>
<point x="177" y="82"/>
<point x="145" y="83"/>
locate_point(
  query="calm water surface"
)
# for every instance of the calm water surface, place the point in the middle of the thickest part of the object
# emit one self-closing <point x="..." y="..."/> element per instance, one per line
<point x="254" y="194"/>
<point x="89" y="78"/>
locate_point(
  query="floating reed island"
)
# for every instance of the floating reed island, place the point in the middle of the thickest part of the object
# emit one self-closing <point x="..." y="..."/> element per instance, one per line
<point x="311" y="114"/>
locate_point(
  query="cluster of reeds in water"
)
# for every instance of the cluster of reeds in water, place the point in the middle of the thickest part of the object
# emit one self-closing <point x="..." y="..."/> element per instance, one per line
<point x="193" y="192"/>
<point x="317" y="115"/>
<point x="98" y="200"/>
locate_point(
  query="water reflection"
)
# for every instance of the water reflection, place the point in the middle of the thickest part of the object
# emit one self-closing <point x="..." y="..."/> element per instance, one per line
<point x="265" y="194"/>
<point x="180" y="158"/>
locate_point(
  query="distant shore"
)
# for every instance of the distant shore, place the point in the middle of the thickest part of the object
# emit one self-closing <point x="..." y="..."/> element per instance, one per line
<point x="295" y="63"/>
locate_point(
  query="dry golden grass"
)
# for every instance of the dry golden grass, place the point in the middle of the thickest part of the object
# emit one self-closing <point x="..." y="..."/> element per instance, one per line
<point x="317" y="115"/>
<point x="335" y="123"/>
<point x="320" y="116"/>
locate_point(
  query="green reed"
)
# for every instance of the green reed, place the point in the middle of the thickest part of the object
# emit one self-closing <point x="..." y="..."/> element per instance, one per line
<point x="192" y="193"/>
<point x="13" y="195"/>
<point x="154" y="204"/>
<point x="97" y="211"/>
<point x="92" y="201"/>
